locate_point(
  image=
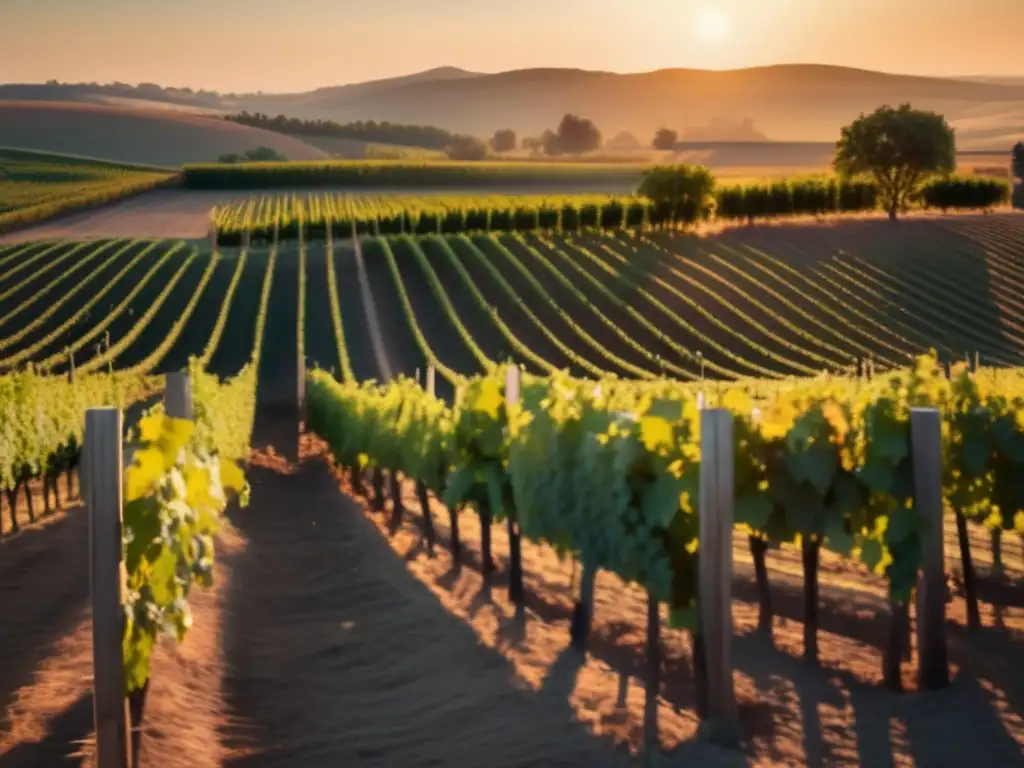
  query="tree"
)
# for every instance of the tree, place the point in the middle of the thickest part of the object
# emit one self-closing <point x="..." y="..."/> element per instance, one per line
<point x="575" y="135"/>
<point x="899" y="148"/>
<point x="681" y="193"/>
<point x="1018" y="160"/>
<point x="665" y="139"/>
<point x="466" y="148"/>
<point x="504" y="140"/>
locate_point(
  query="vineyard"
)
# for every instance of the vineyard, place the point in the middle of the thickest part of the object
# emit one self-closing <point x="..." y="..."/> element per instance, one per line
<point x="289" y="216"/>
<point x="36" y="185"/>
<point x="623" y="333"/>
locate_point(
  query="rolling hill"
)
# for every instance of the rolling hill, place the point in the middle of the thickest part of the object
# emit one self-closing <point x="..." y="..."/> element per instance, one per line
<point x="154" y="137"/>
<point x="792" y="103"/>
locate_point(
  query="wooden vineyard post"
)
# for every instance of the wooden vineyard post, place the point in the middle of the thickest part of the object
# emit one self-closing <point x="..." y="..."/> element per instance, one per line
<point x="926" y="445"/>
<point x="102" y="465"/>
<point x="178" y="396"/>
<point x="422" y="493"/>
<point x="300" y="383"/>
<point x="246" y="238"/>
<point x="513" y="383"/>
<point x="715" y="577"/>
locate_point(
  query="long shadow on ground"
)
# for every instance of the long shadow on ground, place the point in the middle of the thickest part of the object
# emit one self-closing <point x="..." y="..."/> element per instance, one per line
<point x="337" y="655"/>
<point x="44" y="583"/>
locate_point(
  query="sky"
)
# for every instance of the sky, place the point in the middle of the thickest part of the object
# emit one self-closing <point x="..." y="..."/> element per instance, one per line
<point x="295" y="45"/>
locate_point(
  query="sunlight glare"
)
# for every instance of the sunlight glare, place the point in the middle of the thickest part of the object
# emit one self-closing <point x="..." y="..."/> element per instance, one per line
<point x="712" y="24"/>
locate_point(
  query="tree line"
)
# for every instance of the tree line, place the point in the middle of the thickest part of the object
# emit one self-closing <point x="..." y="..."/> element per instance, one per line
<point x="425" y="136"/>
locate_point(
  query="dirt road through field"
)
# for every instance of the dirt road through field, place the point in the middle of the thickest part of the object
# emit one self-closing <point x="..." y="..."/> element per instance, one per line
<point x="339" y="656"/>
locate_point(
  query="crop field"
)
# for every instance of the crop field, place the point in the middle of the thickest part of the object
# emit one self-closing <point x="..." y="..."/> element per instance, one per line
<point x="759" y="304"/>
<point x="753" y="302"/>
<point x="37" y="185"/>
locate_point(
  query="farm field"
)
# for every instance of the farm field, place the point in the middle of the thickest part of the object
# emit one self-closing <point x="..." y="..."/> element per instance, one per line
<point x="38" y="185"/>
<point x="762" y="302"/>
<point x="135" y="135"/>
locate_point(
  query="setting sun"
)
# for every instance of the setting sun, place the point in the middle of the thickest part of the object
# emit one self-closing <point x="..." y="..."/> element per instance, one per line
<point x="713" y="25"/>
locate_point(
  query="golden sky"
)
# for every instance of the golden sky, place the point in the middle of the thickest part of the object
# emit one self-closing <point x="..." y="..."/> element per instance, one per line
<point x="290" y="45"/>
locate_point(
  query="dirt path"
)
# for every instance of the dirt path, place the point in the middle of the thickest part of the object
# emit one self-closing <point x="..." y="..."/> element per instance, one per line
<point x="339" y="656"/>
<point x="46" y="657"/>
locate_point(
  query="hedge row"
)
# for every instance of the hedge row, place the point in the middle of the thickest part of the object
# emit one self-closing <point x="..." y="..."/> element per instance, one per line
<point x="384" y="174"/>
<point x="965" y="193"/>
<point x="787" y="198"/>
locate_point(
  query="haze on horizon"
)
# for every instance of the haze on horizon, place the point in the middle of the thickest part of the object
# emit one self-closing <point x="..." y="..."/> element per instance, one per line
<point x="296" y="45"/>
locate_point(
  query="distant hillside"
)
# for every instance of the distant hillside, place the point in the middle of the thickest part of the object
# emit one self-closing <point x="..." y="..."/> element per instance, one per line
<point x="798" y="102"/>
<point x="154" y="137"/>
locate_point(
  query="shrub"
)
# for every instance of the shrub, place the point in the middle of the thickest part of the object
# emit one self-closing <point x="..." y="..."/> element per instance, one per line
<point x="683" y="192"/>
<point x="964" y="193"/>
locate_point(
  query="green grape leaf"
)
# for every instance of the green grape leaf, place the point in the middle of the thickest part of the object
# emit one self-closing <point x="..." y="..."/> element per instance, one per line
<point x="837" y="538"/>
<point x="458" y="487"/>
<point x="661" y="500"/>
<point x="670" y="410"/>
<point x="890" y="444"/>
<point x="754" y="509"/>
<point x="976" y="453"/>
<point x="142" y="519"/>
<point x="871" y="553"/>
<point x="902" y="523"/>
<point x="161" y="576"/>
<point x="816" y="465"/>
<point x="877" y="476"/>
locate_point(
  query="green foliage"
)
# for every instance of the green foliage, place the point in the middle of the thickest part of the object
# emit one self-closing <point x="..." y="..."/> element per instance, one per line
<point x="809" y="197"/>
<point x="608" y="471"/>
<point x="1017" y="160"/>
<point x="898" y="148"/>
<point x="43" y="420"/>
<point x="965" y="192"/>
<point x="679" y="193"/>
<point x="174" y="497"/>
<point x="35" y="186"/>
<point x="426" y="136"/>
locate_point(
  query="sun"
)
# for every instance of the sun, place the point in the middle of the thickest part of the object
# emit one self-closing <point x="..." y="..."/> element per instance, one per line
<point x="713" y="25"/>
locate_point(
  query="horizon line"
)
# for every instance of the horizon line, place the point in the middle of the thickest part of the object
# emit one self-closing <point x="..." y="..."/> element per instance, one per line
<point x="722" y="70"/>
